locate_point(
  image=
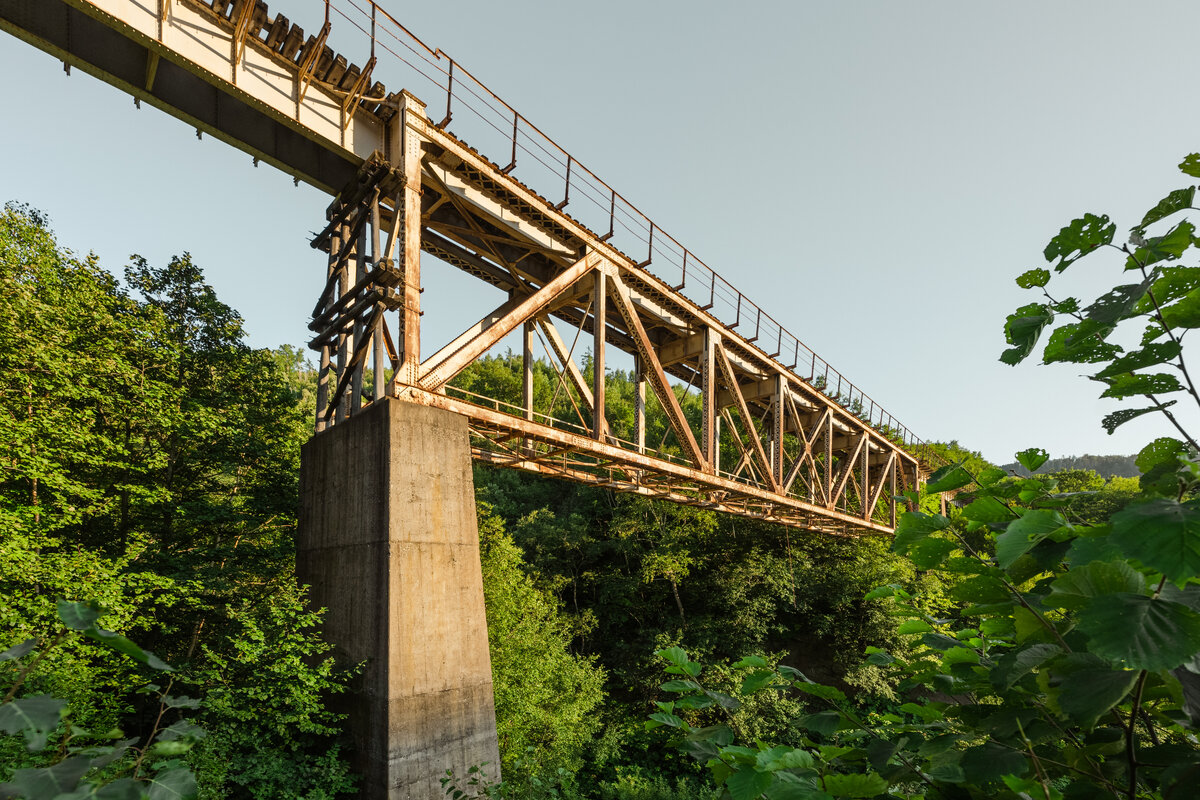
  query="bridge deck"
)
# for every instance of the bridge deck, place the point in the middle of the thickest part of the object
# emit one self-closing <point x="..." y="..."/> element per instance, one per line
<point x="796" y="447"/>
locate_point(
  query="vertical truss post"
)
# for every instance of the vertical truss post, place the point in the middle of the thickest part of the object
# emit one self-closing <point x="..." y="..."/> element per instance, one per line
<point x="357" y="267"/>
<point x="708" y="383"/>
<point x="323" y="371"/>
<point x="865" y="493"/>
<point x="345" y="340"/>
<point x="892" y="491"/>
<point x="378" y="367"/>
<point x="410" y="209"/>
<point x="829" y="498"/>
<point x="716" y="464"/>
<point x="600" y="314"/>
<point x="778" y="425"/>
<point x="639" y="404"/>
<point x="527" y="369"/>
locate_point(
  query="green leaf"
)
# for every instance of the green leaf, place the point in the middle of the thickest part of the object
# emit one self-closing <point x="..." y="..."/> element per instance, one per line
<point x="34" y="717"/>
<point x="981" y="589"/>
<point x="173" y="784"/>
<point x="1131" y="384"/>
<point x="1163" y="534"/>
<point x="1087" y="549"/>
<point x="1173" y="283"/>
<point x="1116" y="304"/>
<point x="1137" y="632"/>
<point x="1183" y="313"/>
<point x="880" y="592"/>
<point x="987" y="509"/>
<point x="19" y="650"/>
<point x="1032" y="458"/>
<point x="1148" y="356"/>
<point x="824" y="723"/>
<point x="1024" y="533"/>
<point x="947" y="479"/>
<point x="747" y="783"/>
<point x="939" y="641"/>
<point x="757" y="680"/>
<point x="786" y="786"/>
<point x="1088" y="694"/>
<point x="1022" y="329"/>
<point x="675" y="655"/>
<point x="991" y="475"/>
<point x="121" y="789"/>
<point x="880" y="659"/>
<point x="1118" y="418"/>
<point x="1075" y="589"/>
<point x="1016" y="664"/>
<point x="783" y="757"/>
<point x="1163" y="248"/>
<point x="914" y="626"/>
<point x="1078" y="239"/>
<point x="723" y="700"/>
<point x="855" y="785"/>
<point x="913" y="526"/>
<point x="1033" y="277"/>
<point x="1190" y="165"/>
<point x="126" y="647"/>
<point x="183" y="701"/>
<point x="751" y="661"/>
<point x="78" y="616"/>
<point x="1079" y="343"/>
<point x="48" y="782"/>
<point x="930" y="553"/>
<point x="822" y="691"/>
<point x="959" y="655"/>
<point x="991" y="762"/>
<point x="1177" y="200"/>
<point x="663" y="718"/>
<point x="680" y="686"/>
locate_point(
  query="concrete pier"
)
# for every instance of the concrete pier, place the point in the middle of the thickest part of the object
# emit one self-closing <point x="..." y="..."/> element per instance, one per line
<point x="389" y="542"/>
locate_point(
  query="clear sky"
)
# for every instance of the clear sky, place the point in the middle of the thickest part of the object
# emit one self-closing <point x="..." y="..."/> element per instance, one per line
<point x="874" y="174"/>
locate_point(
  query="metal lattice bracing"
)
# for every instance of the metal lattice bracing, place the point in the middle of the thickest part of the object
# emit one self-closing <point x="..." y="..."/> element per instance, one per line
<point x="800" y="457"/>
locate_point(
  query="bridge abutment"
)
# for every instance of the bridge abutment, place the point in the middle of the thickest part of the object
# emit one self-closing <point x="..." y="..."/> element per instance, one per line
<point x="389" y="542"/>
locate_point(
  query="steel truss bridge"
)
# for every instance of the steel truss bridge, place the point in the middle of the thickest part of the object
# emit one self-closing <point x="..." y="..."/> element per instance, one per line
<point x="779" y="436"/>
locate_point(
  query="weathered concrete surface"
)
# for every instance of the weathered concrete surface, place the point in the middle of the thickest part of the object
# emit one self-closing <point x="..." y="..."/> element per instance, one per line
<point x="388" y="541"/>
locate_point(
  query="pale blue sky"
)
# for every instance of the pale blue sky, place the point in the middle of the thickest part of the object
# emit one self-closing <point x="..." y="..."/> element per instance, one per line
<point x="874" y="174"/>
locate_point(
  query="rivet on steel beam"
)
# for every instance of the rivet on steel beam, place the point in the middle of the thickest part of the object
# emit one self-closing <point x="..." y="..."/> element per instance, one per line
<point x="137" y="103"/>
<point x="66" y="67"/>
<point x="255" y="161"/>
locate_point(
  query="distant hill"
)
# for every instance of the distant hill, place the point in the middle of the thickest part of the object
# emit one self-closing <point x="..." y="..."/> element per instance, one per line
<point x="1105" y="466"/>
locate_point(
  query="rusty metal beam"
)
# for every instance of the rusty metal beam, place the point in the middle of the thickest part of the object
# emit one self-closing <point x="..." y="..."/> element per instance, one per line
<point x="435" y="375"/>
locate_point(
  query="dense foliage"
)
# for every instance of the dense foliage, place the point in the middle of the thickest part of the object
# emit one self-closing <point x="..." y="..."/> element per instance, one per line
<point x="1027" y="635"/>
<point x="1069" y="664"/>
<point x="150" y="467"/>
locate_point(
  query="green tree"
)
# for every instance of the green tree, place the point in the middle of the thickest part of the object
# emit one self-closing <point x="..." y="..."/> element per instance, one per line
<point x="546" y="696"/>
<point x="151" y="462"/>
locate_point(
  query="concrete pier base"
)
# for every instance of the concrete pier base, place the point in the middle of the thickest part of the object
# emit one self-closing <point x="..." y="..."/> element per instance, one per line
<point x="389" y="542"/>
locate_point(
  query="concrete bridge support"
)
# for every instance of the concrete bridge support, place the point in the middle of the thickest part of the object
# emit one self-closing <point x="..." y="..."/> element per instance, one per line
<point x="389" y="542"/>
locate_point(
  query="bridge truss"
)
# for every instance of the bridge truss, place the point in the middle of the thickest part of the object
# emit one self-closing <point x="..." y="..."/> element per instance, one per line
<point x="776" y="433"/>
<point x="799" y="457"/>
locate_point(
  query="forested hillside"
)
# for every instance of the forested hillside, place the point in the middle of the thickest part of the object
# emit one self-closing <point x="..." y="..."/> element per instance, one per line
<point x="1104" y="466"/>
